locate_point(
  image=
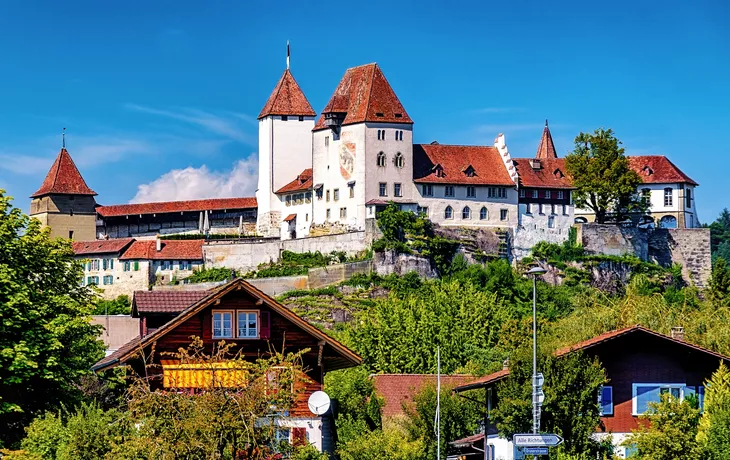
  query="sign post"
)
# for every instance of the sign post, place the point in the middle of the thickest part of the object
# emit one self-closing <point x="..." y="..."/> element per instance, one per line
<point x="537" y="440"/>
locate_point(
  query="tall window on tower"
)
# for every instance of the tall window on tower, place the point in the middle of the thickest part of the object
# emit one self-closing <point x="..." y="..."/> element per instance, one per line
<point x="668" y="197"/>
<point x="381" y="159"/>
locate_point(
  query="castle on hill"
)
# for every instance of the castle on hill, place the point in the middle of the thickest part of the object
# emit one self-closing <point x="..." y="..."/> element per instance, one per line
<point x="331" y="173"/>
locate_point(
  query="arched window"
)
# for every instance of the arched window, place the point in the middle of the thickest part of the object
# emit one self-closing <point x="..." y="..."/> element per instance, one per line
<point x="466" y="213"/>
<point x="448" y="213"/>
<point x="581" y="220"/>
<point x="668" y="196"/>
<point x="668" y="222"/>
<point x="399" y="160"/>
<point x="483" y="214"/>
<point x="381" y="159"/>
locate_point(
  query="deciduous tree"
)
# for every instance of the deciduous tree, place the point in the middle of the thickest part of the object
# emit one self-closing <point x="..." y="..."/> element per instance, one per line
<point x="46" y="340"/>
<point x="603" y="180"/>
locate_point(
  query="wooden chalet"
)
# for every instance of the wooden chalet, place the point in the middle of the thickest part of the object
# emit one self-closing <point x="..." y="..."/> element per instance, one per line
<point x="238" y="313"/>
<point x="640" y="365"/>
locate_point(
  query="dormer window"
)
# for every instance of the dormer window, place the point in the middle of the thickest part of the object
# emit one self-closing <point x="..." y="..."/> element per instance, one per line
<point x="379" y="114"/>
<point x="469" y="171"/>
<point x="558" y="173"/>
<point x="398" y="115"/>
<point x="647" y="170"/>
<point x="439" y="171"/>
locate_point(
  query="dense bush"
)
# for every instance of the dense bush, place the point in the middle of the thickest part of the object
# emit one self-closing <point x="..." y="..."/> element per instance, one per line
<point x="211" y="274"/>
<point x="122" y="305"/>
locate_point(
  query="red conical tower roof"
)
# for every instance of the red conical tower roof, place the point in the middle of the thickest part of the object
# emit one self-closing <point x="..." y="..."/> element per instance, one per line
<point x="287" y="99"/>
<point x="546" y="149"/>
<point x="64" y="178"/>
<point x="365" y="95"/>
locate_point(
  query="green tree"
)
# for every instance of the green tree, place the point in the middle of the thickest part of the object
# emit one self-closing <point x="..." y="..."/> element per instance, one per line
<point x="720" y="281"/>
<point x="603" y="180"/>
<point x="713" y="434"/>
<point x="358" y="407"/>
<point x="669" y="430"/>
<point x="122" y="305"/>
<point x="391" y="443"/>
<point x="571" y="387"/>
<point x="46" y="340"/>
<point x="720" y="235"/>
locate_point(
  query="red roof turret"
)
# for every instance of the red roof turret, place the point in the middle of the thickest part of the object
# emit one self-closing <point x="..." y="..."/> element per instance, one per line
<point x="63" y="178"/>
<point x="287" y="99"/>
<point x="546" y="149"/>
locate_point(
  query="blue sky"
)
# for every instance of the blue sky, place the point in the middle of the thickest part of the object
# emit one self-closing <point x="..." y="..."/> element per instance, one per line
<point x="160" y="98"/>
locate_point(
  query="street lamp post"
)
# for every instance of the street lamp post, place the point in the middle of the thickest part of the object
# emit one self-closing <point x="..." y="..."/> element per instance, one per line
<point x="536" y="381"/>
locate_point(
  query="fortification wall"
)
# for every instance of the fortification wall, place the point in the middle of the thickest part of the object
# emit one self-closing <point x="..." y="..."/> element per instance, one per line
<point x="689" y="247"/>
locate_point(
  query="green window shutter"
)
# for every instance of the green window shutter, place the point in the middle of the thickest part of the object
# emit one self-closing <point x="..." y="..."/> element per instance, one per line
<point x="136" y="265"/>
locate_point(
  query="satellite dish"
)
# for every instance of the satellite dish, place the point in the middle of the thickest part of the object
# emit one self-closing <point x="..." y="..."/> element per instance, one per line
<point x="319" y="403"/>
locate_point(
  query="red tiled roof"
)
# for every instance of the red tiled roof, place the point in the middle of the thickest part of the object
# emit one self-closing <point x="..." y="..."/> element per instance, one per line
<point x="121" y="351"/>
<point x="586" y="344"/>
<point x="290" y="217"/>
<point x="658" y="169"/>
<point x="301" y="183"/>
<point x="469" y="440"/>
<point x="364" y="94"/>
<point x="550" y="175"/>
<point x="399" y="389"/>
<point x="454" y="160"/>
<point x="101" y="246"/>
<point x="64" y="178"/>
<point x="287" y="99"/>
<point x="546" y="148"/>
<point x="164" y="301"/>
<point x="161" y="207"/>
<point x="171" y="250"/>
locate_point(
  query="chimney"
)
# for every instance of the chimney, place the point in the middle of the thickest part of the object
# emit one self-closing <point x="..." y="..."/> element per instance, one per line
<point x="158" y="244"/>
<point x="678" y="333"/>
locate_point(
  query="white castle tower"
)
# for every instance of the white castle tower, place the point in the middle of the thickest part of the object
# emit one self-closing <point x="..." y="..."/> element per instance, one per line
<point x="285" y="147"/>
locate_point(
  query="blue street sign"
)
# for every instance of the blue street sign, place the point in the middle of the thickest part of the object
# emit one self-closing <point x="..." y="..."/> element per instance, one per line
<point x="535" y="450"/>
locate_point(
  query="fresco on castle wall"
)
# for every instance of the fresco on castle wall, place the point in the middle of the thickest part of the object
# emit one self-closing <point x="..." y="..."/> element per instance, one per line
<point x="347" y="157"/>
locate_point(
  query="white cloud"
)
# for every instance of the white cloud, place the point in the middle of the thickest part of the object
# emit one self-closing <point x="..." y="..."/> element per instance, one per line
<point x="226" y="126"/>
<point x="199" y="183"/>
<point x="25" y="164"/>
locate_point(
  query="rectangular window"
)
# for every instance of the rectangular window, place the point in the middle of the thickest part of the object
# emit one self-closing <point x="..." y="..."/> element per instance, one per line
<point x="397" y="189"/>
<point x="319" y="193"/>
<point x="167" y="265"/>
<point x="522" y="193"/>
<point x="184" y="265"/>
<point x="329" y="214"/>
<point x="565" y="210"/>
<point x="548" y="194"/>
<point x="688" y="198"/>
<point x="127" y="266"/>
<point x="540" y="210"/>
<point x="560" y="194"/>
<point x="423" y="211"/>
<point x="428" y="190"/>
<point x="288" y="200"/>
<point x="326" y="141"/>
<point x="492" y="192"/>
<point x="383" y="189"/>
<point x="95" y="264"/>
<point x="471" y="192"/>
<point x="92" y="280"/>
<point x="552" y="209"/>
<point x="503" y="192"/>
<point x="336" y="194"/>
<point x="605" y="400"/>
<point x="449" y="190"/>
<point x="308" y="197"/>
<point x="534" y="193"/>
<point x="668" y="197"/>
<point x="108" y="279"/>
<point x="328" y="196"/>
<point x="247" y="324"/>
<point x="223" y="324"/>
<point x="645" y="393"/>
<point x="343" y="213"/>
<point x="528" y="209"/>
<point x="352" y="191"/>
<point x="503" y="214"/>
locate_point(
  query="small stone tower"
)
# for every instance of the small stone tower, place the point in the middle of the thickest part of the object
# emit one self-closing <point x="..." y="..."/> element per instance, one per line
<point x="64" y="202"/>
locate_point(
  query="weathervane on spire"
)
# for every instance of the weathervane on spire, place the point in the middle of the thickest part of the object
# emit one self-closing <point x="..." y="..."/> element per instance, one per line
<point x="63" y="138"/>
<point x="287" y="55"/>
<point x="546" y="123"/>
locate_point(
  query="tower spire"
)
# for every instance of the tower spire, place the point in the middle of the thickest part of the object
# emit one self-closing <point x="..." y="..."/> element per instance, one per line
<point x="546" y="148"/>
<point x="63" y="138"/>
<point x="287" y="55"/>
